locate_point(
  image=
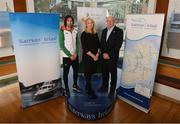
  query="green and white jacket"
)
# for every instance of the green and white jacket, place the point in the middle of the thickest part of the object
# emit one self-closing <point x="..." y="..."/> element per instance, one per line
<point x="69" y="42"/>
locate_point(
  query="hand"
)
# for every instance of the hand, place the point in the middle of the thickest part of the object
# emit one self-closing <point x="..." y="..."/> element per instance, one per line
<point x="97" y="54"/>
<point x="106" y="56"/>
<point x="95" y="58"/>
<point x="73" y="57"/>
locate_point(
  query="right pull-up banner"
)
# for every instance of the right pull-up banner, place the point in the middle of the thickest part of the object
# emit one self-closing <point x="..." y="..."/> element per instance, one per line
<point x="141" y="54"/>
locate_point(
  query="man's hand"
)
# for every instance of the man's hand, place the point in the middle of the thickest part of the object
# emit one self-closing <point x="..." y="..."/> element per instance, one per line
<point x="106" y="56"/>
<point x="73" y="57"/>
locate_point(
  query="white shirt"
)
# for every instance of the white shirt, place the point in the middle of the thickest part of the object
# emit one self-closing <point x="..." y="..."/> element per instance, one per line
<point x="109" y="32"/>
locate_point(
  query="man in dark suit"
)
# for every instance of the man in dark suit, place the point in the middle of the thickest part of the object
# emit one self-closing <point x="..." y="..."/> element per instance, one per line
<point x="111" y="41"/>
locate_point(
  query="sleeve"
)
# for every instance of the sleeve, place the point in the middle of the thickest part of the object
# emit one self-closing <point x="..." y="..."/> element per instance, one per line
<point x="117" y="46"/>
<point x="84" y="43"/>
<point x="98" y="42"/>
<point x="77" y="44"/>
<point x="62" y="45"/>
<point x="102" y="43"/>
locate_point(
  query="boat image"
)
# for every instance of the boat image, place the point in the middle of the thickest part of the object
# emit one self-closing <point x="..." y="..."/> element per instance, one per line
<point x="47" y="90"/>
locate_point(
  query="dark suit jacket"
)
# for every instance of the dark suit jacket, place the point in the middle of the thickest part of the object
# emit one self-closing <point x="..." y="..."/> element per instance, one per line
<point x="113" y="43"/>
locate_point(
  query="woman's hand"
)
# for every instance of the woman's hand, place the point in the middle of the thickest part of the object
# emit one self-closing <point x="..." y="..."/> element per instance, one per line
<point x="95" y="58"/>
<point x="97" y="54"/>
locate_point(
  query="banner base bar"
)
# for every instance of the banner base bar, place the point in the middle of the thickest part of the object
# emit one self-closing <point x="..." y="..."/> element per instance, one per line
<point x="133" y="104"/>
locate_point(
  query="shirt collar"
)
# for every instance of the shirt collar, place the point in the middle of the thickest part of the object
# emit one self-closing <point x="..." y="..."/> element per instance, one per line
<point x="111" y="28"/>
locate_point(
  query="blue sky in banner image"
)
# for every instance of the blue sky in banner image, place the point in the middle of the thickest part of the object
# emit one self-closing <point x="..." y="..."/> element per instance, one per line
<point x="35" y="24"/>
<point x="35" y="37"/>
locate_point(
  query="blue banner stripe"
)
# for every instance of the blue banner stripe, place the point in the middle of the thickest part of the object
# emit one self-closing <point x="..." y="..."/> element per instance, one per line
<point x="143" y="37"/>
<point x="134" y="97"/>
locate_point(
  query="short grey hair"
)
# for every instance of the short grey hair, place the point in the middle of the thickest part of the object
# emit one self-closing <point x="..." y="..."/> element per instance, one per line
<point x="110" y="16"/>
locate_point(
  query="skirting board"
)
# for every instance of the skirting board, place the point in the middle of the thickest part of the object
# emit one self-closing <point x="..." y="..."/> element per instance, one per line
<point x="133" y="104"/>
<point x="8" y="76"/>
<point x="166" y="98"/>
<point x="164" y="90"/>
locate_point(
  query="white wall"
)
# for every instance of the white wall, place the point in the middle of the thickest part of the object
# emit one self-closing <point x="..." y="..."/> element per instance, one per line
<point x="174" y="5"/>
<point x="6" y="51"/>
<point x="10" y="5"/>
<point x="30" y="5"/>
<point x="152" y="6"/>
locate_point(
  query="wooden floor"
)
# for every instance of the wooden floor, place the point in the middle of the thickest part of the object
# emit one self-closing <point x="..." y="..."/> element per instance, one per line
<point x="56" y="111"/>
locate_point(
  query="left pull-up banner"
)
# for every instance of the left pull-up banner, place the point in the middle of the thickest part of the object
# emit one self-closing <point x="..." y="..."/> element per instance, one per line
<point x="36" y="49"/>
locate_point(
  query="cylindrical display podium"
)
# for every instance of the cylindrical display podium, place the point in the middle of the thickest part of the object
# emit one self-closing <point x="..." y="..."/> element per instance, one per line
<point x="87" y="106"/>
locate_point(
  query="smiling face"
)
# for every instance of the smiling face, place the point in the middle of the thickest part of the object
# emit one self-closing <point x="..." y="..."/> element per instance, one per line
<point x="110" y="22"/>
<point x="89" y="24"/>
<point x="69" y="22"/>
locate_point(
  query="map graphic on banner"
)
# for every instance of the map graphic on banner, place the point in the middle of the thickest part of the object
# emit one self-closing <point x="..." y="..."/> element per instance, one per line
<point x="36" y="48"/>
<point x="140" y="58"/>
<point x="138" y="61"/>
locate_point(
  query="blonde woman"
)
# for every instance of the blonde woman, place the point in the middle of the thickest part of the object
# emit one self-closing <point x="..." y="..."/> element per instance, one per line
<point x="90" y="46"/>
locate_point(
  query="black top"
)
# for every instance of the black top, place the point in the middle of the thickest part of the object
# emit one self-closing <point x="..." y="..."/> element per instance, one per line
<point x="113" y="43"/>
<point x="90" y="42"/>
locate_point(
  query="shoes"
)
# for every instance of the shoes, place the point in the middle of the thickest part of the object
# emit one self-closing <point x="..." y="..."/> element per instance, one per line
<point x="76" y="88"/>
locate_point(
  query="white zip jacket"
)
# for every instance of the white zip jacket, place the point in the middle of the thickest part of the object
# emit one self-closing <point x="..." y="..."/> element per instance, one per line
<point x="69" y="42"/>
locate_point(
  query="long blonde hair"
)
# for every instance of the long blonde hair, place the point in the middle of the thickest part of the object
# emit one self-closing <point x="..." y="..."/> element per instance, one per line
<point x="93" y="31"/>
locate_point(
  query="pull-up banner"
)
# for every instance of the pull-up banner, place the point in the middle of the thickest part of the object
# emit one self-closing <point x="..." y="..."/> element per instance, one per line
<point x="142" y="47"/>
<point x="35" y="40"/>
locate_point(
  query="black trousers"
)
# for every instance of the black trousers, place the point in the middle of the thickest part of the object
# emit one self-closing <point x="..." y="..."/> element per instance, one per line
<point x="109" y="67"/>
<point x="67" y="63"/>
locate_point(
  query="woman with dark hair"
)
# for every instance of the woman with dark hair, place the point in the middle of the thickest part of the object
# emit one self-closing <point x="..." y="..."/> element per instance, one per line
<point x="90" y="45"/>
<point x="69" y="45"/>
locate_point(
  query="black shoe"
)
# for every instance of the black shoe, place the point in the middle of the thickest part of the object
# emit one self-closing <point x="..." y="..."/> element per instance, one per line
<point x="76" y="88"/>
